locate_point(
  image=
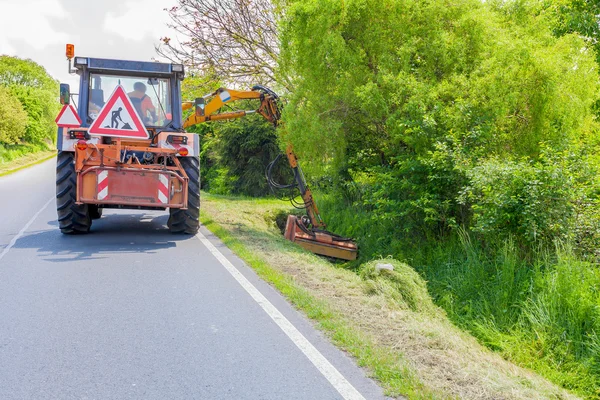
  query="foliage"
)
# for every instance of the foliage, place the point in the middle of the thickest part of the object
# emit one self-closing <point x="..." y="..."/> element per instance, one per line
<point x="460" y="136"/>
<point x="238" y="40"/>
<point x="246" y="148"/>
<point x="577" y="16"/>
<point x="532" y="202"/>
<point x="37" y="92"/>
<point x="412" y="96"/>
<point x="13" y="118"/>
<point x="234" y="154"/>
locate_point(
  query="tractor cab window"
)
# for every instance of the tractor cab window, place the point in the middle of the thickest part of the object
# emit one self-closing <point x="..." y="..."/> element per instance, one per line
<point x="150" y="97"/>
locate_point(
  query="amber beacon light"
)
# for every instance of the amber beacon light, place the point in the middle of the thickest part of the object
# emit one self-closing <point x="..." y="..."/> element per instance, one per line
<point x="70" y="51"/>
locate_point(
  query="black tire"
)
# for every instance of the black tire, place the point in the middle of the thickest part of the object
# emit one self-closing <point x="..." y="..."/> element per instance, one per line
<point x="95" y="211"/>
<point x="187" y="221"/>
<point x="72" y="218"/>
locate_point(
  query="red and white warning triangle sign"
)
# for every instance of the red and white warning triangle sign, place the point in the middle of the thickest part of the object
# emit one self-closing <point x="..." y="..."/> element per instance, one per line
<point x="68" y="118"/>
<point x="119" y="118"/>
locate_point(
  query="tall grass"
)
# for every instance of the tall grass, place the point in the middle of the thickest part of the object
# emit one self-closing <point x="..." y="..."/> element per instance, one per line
<point x="540" y="309"/>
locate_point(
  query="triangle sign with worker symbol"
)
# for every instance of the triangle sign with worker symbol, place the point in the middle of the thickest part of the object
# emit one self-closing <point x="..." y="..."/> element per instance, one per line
<point x="119" y="118"/>
<point x="68" y="117"/>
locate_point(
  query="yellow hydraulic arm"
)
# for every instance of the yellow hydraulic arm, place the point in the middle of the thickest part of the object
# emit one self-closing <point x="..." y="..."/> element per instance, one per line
<point x="207" y="107"/>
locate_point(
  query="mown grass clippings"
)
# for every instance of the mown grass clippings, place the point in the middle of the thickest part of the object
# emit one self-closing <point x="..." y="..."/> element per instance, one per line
<point x="390" y="369"/>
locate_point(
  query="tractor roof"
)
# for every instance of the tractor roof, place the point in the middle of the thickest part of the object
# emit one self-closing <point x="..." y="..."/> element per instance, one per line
<point x="125" y="67"/>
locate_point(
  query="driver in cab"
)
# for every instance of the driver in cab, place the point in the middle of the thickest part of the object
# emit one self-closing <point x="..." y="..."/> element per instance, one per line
<point x="143" y="104"/>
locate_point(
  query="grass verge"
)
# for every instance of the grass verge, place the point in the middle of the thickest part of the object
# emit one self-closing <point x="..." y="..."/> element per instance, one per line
<point x="25" y="161"/>
<point x="404" y="341"/>
<point x="537" y="307"/>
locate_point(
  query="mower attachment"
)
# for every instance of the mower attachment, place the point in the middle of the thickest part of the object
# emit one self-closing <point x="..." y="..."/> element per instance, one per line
<point x="319" y="241"/>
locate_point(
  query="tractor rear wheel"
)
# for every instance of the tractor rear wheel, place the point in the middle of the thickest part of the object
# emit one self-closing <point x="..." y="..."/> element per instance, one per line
<point x="72" y="218"/>
<point x="187" y="221"/>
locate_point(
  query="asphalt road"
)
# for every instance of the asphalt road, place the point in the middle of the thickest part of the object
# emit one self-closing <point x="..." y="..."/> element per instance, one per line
<point x="133" y="312"/>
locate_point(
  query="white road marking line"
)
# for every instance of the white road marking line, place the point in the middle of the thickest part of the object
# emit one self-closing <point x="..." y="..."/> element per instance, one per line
<point x="22" y="231"/>
<point x="334" y="377"/>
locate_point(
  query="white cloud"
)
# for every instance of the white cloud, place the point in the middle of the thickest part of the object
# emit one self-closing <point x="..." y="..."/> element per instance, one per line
<point x="28" y="21"/>
<point x="139" y="19"/>
<point x="119" y="29"/>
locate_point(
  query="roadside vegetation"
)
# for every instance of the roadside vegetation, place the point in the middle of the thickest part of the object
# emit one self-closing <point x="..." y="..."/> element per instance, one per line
<point x="460" y="138"/>
<point x="386" y="319"/>
<point x="28" y="107"/>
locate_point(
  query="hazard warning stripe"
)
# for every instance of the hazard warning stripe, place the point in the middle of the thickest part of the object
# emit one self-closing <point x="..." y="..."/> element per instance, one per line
<point x="102" y="185"/>
<point x="163" y="189"/>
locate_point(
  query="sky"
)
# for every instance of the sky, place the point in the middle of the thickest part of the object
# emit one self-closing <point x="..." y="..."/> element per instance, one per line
<point x="120" y="29"/>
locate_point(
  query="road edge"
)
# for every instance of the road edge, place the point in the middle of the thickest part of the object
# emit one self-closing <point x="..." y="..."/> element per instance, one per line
<point x="335" y="378"/>
<point x="390" y="371"/>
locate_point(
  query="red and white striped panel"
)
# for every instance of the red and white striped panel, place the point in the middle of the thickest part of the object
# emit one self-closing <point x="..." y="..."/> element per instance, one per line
<point x="163" y="188"/>
<point x="102" y="185"/>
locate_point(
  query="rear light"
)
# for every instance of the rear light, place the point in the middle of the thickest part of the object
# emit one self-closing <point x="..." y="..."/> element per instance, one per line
<point x="183" y="151"/>
<point x="81" y="135"/>
<point x="82" y="145"/>
<point x="177" y="139"/>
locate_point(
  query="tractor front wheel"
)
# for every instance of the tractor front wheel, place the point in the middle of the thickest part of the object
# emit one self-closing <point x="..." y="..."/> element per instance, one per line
<point x="95" y="211"/>
<point x="187" y="221"/>
<point x="72" y="218"/>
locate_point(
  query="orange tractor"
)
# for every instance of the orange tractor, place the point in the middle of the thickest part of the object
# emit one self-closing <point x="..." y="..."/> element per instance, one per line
<point x="130" y="149"/>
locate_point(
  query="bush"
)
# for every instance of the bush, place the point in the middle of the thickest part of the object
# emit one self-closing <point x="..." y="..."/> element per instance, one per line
<point x="13" y="119"/>
<point x="530" y="202"/>
<point x="245" y="149"/>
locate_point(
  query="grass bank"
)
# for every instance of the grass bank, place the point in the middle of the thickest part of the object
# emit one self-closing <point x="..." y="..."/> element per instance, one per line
<point x="16" y="157"/>
<point x="539" y="309"/>
<point x="386" y="320"/>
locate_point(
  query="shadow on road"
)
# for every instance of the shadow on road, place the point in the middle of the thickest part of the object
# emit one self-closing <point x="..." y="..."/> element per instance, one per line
<point x="113" y="233"/>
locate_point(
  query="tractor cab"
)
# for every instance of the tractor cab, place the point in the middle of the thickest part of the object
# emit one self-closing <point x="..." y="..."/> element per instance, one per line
<point x="154" y="89"/>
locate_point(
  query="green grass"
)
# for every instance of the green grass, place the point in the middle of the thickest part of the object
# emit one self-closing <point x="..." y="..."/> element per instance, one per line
<point x="16" y="157"/>
<point x="543" y="314"/>
<point x="387" y="320"/>
<point x="388" y="368"/>
<point x="540" y="310"/>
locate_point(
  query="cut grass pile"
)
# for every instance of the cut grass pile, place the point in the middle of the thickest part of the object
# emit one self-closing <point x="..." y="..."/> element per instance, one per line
<point x="385" y="319"/>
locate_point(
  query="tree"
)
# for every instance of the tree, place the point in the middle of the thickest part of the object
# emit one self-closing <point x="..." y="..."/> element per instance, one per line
<point x="13" y="119"/>
<point x="15" y="71"/>
<point x="237" y="39"/>
<point x="403" y="98"/>
<point x="245" y="149"/>
<point x="578" y="16"/>
<point x="37" y="91"/>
